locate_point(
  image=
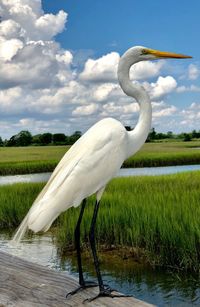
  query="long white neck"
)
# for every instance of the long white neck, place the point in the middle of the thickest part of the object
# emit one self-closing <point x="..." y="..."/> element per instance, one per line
<point x="136" y="137"/>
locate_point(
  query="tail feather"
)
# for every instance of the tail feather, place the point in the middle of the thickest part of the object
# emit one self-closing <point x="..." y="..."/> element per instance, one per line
<point x="42" y="216"/>
<point x="20" y="231"/>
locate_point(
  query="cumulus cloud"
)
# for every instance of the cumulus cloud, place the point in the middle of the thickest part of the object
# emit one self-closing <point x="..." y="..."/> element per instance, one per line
<point x="49" y="25"/>
<point x="102" y="92"/>
<point x="161" y="109"/>
<point x="162" y="87"/>
<point x="103" y="69"/>
<point x="86" y="110"/>
<point x="28" y="55"/>
<point x="193" y="72"/>
<point x="145" y="70"/>
<point x="191" y="88"/>
<point x="30" y="18"/>
<point x="9" y="48"/>
<point x="192" y="113"/>
<point x="40" y="89"/>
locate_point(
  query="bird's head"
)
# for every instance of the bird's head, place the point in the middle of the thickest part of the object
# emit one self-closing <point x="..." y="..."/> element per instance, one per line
<point x="144" y="53"/>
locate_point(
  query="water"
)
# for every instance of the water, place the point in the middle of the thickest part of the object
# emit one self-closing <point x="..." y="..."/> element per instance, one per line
<point x="158" y="287"/>
<point x="162" y="288"/>
<point x="123" y="172"/>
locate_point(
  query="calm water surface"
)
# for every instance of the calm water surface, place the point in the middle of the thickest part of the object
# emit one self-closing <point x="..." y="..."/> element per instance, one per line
<point x="123" y="172"/>
<point x="156" y="287"/>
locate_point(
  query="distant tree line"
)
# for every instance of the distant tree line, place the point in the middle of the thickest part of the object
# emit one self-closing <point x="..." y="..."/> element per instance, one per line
<point x="155" y="136"/>
<point x="25" y="138"/>
<point x="183" y="136"/>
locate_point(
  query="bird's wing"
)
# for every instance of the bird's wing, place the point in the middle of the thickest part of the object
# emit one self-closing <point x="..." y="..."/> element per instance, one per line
<point x="83" y="170"/>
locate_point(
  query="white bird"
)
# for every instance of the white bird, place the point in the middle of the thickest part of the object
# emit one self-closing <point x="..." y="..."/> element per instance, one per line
<point x="93" y="161"/>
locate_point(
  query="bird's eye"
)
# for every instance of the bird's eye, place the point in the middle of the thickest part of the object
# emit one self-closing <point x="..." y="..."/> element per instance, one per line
<point x="144" y="51"/>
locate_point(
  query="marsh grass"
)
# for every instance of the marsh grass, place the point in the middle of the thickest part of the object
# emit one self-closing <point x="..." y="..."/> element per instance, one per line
<point x="15" y="201"/>
<point x="26" y="160"/>
<point x="158" y="215"/>
<point x="165" y="154"/>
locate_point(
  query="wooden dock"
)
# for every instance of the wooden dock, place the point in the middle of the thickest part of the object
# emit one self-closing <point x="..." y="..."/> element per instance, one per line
<point x="26" y="284"/>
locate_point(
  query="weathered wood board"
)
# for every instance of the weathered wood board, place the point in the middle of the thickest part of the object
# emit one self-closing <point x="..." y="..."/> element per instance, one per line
<point x="26" y="284"/>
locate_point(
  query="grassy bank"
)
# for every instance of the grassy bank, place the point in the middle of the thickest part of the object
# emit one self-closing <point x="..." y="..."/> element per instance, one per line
<point x="166" y="153"/>
<point x="158" y="215"/>
<point x="24" y="160"/>
<point x="27" y="160"/>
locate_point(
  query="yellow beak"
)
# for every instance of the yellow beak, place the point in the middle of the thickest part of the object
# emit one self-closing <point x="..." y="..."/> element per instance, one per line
<point x="165" y="54"/>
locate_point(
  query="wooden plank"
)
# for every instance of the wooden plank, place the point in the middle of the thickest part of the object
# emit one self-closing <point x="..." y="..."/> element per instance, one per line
<point x="26" y="284"/>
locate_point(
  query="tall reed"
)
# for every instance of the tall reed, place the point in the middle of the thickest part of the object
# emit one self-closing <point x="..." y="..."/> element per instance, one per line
<point x="158" y="215"/>
<point x="36" y="159"/>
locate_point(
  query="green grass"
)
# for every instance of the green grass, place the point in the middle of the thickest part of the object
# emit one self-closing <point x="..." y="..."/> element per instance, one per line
<point x="24" y="160"/>
<point x="166" y="153"/>
<point x="158" y="215"/>
<point x="15" y="201"/>
<point x="33" y="159"/>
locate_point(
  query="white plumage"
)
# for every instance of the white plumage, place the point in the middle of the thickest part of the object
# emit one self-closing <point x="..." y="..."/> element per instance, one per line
<point x="84" y="170"/>
<point x="97" y="156"/>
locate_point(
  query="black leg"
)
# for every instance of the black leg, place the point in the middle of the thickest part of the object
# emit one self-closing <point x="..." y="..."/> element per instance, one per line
<point x="83" y="284"/>
<point x="104" y="290"/>
<point x="93" y="245"/>
<point x="77" y="243"/>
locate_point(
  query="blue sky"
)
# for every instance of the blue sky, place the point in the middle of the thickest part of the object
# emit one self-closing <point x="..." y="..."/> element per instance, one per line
<point x="97" y="25"/>
<point x="59" y="61"/>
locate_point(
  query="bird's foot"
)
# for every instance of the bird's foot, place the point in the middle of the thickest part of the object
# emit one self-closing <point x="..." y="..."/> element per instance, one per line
<point x="106" y="292"/>
<point x="85" y="285"/>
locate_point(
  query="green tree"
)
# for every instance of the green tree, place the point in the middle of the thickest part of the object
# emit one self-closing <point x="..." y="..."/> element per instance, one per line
<point x="12" y="141"/>
<point x="1" y="142"/>
<point x="195" y="134"/>
<point x="45" y="138"/>
<point x="74" y="137"/>
<point x="152" y="135"/>
<point x="170" y="134"/>
<point x="23" y="138"/>
<point x="187" y="137"/>
<point x="59" y="138"/>
<point x="36" y="139"/>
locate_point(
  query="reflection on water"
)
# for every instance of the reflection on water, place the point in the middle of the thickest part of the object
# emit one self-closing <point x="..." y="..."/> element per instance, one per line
<point x="123" y="172"/>
<point x="154" y="286"/>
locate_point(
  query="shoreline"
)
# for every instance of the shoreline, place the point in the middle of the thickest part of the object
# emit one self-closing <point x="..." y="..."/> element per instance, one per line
<point x="32" y="167"/>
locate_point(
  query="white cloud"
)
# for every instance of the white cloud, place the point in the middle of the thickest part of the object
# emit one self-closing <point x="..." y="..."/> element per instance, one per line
<point x="86" y="110"/>
<point x="193" y="72"/>
<point x="191" y="116"/>
<point x="102" y="92"/>
<point x="49" y="25"/>
<point x="191" y="88"/>
<point x="9" y="48"/>
<point x="145" y="70"/>
<point x="11" y="29"/>
<point x="161" y="109"/>
<point x="8" y="98"/>
<point x="32" y="20"/>
<point x="65" y="57"/>
<point x="103" y="69"/>
<point x="162" y="87"/>
<point x="28" y="55"/>
<point x="40" y="89"/>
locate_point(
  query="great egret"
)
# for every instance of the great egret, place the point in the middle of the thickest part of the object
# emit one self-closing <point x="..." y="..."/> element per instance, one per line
<point x="92" y="162"/>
